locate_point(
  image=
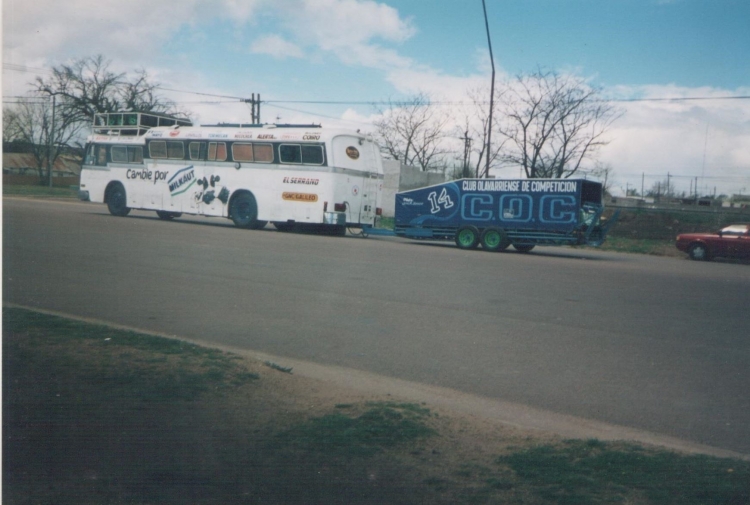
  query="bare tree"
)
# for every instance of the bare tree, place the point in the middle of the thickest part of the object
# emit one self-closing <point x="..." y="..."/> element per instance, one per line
<point x="603" y="172"/>
<point x="88" y="86"/>
<point x="474" y="125"/>
<point x="413" y="132"/>
<point x="552" y="123"/>
<point x="31" y="123"/>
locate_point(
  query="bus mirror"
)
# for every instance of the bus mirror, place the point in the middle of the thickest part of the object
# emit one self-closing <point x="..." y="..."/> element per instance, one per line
<point x="237" y="165"/>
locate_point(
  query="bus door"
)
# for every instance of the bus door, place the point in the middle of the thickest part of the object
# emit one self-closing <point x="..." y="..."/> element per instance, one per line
<point x="369" y="198"/>
<point x="212" y="196"/>
<point x="370" y="185"/>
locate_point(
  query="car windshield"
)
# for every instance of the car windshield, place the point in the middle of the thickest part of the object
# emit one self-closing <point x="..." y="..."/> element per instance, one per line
<point x="734" y="230"/>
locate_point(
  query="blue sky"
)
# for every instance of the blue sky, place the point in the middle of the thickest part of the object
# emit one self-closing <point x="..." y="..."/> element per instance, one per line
<point x="368" y="50"/>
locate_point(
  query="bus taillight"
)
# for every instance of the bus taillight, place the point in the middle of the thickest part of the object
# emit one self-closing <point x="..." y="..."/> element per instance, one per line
<point x="378" y="211"/>
<point x="339" y="207"/>
<point x="325" y="206"/>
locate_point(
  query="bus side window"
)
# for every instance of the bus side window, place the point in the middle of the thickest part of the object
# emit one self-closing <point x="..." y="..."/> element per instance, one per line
<point x="312" y="155"/>
<point x="101" y="156"/>
<point x="90" y="155"/>
<point x="135" y="154"/>
<point x="289" y="153"/>
<point x="263" y="153"/>
<point x="175" y="150"/>
<point x="197" y="150"/>
<point x="217" y="151"/>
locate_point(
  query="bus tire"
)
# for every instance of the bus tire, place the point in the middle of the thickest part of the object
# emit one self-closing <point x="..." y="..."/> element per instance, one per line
<point x="117" y="201"/>
<point x="467" y="237"/>
<point x="243" y="210"/>
<point x="258" y="225"/>
<point x="166" y="215"/>
<point x="283" y="226"/>
<point x="523" y="248"/>
<point x="494" y="239"/>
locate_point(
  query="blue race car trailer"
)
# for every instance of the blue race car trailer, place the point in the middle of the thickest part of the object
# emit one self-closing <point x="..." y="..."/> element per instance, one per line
<point x="498" y="213"/>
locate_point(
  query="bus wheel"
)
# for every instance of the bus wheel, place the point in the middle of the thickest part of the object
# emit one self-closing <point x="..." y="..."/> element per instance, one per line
<point x="494" y="239"/>
<point x="244" y="210"/>
<point x="117" y="202"/>
<point x="283" y="226"/>
<point x="467" y="237"/>
<point x="166" y="215"/>
<point x="523" y="248"/>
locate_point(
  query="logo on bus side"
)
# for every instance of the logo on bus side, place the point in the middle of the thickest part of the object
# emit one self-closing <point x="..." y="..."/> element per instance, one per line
<point x="181" y="181"/>
<point x="352" y="152"/>
<point x="300" y="197"/>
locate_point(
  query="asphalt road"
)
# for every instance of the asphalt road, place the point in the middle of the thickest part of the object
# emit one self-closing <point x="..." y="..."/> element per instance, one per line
<point x="658" y="344"/>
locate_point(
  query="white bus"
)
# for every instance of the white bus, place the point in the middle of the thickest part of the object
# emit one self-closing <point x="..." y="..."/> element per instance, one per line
<point x="251" y="174"/>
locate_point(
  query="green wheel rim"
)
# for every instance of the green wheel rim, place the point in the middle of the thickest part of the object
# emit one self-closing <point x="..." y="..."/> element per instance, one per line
<point x="492" y="239"/>
<point x="466" y="237"/>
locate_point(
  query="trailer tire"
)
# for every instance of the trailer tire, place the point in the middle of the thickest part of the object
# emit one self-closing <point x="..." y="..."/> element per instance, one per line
<point x="494" y="239"/>
<point x="467" y="237"/>
<point x="523" y="248"/>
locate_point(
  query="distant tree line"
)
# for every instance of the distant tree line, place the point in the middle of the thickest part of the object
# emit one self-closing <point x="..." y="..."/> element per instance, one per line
<point x="548" y="125"/>
<point x="51" y="119"/>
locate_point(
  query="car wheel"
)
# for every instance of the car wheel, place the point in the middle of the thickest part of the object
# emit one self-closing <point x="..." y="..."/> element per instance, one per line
<point x="523" y="248"/>
<point x="244" y="210"/>
<point x="117" y="201"/>
<point x="494" y="239"/>
<point x="467" y="237"/>
<point x="698" y="252"/>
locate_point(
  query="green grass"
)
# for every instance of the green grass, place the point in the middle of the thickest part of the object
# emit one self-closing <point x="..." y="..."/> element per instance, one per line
<point x="382" y="425"/>
<point x="39" y="191"/>
<point x="165" y="370"/>
<point x="591" y="472"/>
<point x="657" y="247"/>
<point x="386" y="222"/>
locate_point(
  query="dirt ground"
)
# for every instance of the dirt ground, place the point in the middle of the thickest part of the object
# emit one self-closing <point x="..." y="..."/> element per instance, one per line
<point x="69" y="438"/>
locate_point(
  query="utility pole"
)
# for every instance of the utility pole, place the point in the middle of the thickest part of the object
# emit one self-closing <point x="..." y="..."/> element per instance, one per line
<point x="254" y="107"/>
<point x="492" y="93"/>
<point x="51" y="141"/>
<point x="643" y="180"/>
<point x="467" y="150"/>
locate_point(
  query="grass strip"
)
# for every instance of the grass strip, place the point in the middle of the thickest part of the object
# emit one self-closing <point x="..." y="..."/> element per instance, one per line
<point x="584" y="472"/>
<point x="39" y="191"/>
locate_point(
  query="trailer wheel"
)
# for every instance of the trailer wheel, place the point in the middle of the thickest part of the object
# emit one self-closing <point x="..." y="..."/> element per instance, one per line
<point x="523" y="248"/>
<point x="494" y="239"/>
<point x="467" y="237"/>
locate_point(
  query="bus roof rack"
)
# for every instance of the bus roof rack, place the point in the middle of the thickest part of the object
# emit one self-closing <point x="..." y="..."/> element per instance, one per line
<point x="257" y="125"/>
<point x="132" y="123"/>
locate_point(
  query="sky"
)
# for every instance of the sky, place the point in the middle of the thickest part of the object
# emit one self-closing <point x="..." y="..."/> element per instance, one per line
<point x="300" y="54"/>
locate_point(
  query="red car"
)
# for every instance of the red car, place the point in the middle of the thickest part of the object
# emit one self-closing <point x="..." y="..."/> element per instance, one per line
<point x="731" y="242"/>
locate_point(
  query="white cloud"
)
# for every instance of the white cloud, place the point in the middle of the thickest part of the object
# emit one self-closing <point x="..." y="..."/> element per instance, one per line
<point x="276" y="46"/>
